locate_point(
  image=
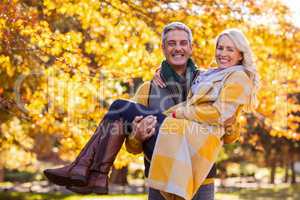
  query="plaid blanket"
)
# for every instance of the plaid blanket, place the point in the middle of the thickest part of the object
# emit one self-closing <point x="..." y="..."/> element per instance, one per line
<point x="188" y="145"/>
<point x="180" y="162"/>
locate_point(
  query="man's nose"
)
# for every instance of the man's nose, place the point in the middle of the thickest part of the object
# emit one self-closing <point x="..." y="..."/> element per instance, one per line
<point x="178" y="47"/>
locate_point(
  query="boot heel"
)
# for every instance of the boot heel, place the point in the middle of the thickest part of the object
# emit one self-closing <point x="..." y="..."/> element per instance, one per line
<point x="78" y="180"/>
<point x="100" y="190"/>
<point x="58" y="176"/>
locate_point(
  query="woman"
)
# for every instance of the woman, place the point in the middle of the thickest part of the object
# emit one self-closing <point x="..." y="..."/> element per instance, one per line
<point x="216" y="97"/>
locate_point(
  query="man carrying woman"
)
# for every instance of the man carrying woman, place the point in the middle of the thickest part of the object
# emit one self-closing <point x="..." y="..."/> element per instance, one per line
<point x="216" y="97"/>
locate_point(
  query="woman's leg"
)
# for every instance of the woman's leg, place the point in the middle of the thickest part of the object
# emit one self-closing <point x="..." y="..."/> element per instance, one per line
<point x="111" y="142"/>
<point x="77" y="172"/>
<point x="125" y="111"/>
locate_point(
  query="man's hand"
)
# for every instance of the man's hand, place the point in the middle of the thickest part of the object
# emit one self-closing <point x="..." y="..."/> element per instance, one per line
<point x="143" y="128"/>
<point x="157" y="80"/>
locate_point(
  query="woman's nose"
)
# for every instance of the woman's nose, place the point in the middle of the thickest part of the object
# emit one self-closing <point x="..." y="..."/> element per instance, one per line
<point x="223" y="53"/>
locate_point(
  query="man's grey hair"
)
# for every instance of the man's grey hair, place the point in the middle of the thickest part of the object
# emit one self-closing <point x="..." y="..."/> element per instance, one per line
<point x="176" y="26"/>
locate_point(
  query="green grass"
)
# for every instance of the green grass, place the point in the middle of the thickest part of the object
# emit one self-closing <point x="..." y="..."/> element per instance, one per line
<point x="58" y="196"/>
<point x="275" y="193"/>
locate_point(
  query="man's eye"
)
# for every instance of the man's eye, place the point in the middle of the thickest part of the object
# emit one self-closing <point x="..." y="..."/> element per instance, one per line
<point x="172" y="44"/>
<point x="184" y="43"/>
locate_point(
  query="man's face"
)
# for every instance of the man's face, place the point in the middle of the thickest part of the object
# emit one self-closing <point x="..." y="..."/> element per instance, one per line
<point x="177" y="48"/>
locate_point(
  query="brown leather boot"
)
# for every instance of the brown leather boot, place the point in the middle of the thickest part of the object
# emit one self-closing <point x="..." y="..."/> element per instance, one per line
<point x="103" y="160"/>
<point x="98" y="183"/>
<point x="77" y="172"/>
<point x="59" y="176"/>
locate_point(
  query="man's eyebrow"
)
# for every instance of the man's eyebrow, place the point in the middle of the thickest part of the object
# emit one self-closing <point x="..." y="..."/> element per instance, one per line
<point x="180" y="40"/>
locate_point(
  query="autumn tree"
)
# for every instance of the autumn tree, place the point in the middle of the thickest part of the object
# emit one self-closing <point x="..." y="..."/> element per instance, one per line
<point x="63" y="62"/>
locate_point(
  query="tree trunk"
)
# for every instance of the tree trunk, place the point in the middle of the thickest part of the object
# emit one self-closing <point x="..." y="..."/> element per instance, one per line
<point x="1" y="174"/>
<point x="273" y="172"/>
<point x="119" y="176"/>
<point x="293" y="176"/>
<point x="286" y="173"/>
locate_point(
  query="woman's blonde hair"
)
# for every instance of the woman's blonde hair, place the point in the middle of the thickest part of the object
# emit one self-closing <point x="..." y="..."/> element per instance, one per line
<point x="242" y="44"/>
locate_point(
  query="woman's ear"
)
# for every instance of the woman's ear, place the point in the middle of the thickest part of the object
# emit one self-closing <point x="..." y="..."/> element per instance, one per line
<point x="241" y="56"/>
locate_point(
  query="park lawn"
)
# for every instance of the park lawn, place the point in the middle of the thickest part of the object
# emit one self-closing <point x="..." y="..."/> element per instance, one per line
<point x="278" y="192"/>
<point x="275" y="193"/>
<point x="58" y="196"/>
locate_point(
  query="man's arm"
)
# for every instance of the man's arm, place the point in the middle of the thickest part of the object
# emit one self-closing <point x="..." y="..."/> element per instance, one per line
<point x="143" y="128"/>
<point x="142" y="94"/>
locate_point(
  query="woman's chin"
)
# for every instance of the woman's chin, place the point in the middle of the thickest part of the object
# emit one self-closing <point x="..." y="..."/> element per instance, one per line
<point x="225" y="65"/>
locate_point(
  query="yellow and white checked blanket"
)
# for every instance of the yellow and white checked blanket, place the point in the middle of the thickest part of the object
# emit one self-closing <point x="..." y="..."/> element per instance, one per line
<point x="188" y="145"/>
<point x="180" y="163"/>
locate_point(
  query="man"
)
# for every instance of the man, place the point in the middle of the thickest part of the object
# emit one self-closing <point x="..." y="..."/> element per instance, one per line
<point x="178" y="72"/>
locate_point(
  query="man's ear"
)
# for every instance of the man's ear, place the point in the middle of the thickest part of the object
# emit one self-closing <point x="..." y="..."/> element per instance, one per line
<point x="191" y="46"/>
<point x="163" y="48"/>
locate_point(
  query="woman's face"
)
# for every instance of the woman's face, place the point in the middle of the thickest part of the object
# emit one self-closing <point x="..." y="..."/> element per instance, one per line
<point x="227" y="54"/>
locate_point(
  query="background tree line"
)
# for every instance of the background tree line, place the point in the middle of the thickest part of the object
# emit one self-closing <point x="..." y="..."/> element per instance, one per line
<point x="64" y="61"/>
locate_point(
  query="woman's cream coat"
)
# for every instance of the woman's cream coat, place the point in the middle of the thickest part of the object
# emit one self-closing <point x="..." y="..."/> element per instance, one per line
<point x="187" y="145"/>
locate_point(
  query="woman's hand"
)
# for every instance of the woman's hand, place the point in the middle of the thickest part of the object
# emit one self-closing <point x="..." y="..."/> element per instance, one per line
<point x="157" y="80"/>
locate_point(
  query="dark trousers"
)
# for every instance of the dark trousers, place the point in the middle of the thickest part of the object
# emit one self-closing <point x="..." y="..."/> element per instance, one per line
<point x="127" y="111"/>
<point x="205" y="192"/>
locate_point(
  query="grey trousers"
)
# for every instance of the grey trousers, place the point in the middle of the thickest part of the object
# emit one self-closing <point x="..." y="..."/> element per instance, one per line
<point x="205" y="192"/>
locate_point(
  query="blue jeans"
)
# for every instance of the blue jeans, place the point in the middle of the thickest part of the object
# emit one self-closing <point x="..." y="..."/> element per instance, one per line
<point x="205" y="192"/>
<point x="127" y="111"/>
